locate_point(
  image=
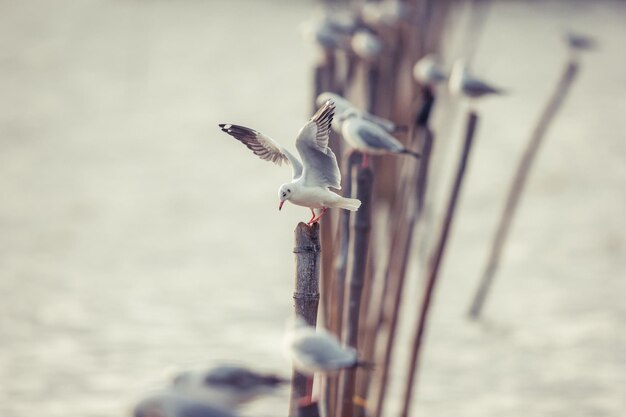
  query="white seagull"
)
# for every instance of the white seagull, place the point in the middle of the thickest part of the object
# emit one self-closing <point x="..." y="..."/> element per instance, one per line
<point x="170" y="403"/>
<point x="462" y="82"/>
<point x="227" y="385"/>
<point x="366" y="45"/>
<point x="428" y="72"/>
<point x="314" y="351"/>
<point x="370" y="138"/>
<point x="343" y="105"/>
<point x="315" y="175"/>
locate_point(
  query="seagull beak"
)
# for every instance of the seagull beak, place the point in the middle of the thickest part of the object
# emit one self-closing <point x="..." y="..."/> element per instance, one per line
<point x="280" y="205"/>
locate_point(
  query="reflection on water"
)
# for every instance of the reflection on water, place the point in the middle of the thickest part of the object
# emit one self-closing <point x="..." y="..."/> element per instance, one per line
<point x="137" y="239"/>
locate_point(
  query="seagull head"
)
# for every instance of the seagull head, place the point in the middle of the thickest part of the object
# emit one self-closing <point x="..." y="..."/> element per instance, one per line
<point x="285" y="193"/>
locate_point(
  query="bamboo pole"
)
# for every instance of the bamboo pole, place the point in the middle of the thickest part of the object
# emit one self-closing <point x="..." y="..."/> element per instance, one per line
<point x="398" y="264"/>
<point x="435" y="263"/>
<point x="517" y="185"/>
<point x="307" y="251"/>
<point x="359" y="246"/>
<point x="341" y="265"/>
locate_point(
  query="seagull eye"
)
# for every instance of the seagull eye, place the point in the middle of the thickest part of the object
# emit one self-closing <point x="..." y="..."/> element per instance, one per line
<point x="288" y="190"/>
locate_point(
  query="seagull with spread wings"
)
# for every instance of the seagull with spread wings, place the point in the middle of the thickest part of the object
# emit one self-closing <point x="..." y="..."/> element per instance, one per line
<point x="315" y="175"/>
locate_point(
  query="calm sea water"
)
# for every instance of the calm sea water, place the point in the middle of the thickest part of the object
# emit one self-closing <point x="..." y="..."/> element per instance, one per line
<point x="136" y="239"/>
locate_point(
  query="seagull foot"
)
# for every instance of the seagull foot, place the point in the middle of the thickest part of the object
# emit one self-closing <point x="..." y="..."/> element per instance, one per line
<point x="305" y="401"/>
<point x="317" y="219"/>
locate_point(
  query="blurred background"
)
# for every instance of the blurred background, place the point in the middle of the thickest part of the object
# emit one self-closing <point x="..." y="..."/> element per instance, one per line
<point x="136" y="239"/>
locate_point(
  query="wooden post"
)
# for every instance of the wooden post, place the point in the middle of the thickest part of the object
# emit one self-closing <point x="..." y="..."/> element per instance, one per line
<point x="435" y="263"/>
<point x="408" y="216"/>
<point x="518" y="183"/>
<point x="360" y="246"/>
<point x="306" y="296"/>
<point x="341" y="265"/>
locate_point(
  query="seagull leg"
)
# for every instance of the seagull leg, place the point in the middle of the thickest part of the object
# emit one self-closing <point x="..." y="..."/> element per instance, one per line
<point x="317" y="219"/>
<point x="310" y="222"/>
<point x="366" y="162"/>
<point x="308" y="398"/>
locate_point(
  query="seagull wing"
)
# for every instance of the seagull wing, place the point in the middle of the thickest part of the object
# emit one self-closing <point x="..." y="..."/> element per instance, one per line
<point x="476" y="86"/>
<point x="263" y="146"/>
<point x="320" y="163"/>
<point x="375" y="137"/>
<point x="386" y="124"/>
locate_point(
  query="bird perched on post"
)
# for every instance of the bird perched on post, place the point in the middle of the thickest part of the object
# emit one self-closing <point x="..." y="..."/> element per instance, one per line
<point x="342" y="105"/>
<point x="315" y="175"/>
<point x="428" y="72"/>
<point x="369" y="137"/>
<point x="227" y="385"/>
<point x="463" y="83"/>
<point x="318" y="351"/>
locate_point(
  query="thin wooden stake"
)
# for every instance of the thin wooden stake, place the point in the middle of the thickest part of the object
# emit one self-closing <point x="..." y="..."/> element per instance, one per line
<point x="517" y="185"/>
<point x="398" y="262"/>
<point x="306" y="296"/>
<point x="360" y="246"/>
<point x="433" y="270"/>
<point x="341" y="266"/>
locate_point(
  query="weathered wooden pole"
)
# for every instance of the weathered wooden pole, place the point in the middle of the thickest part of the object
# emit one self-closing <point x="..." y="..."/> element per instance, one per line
<point x="518" y="183"/>
<point x="341" y="266"/>
<point x="360" y="247"/>
<point x="398" y="263"/>
<point x="306" y="297"/>
<point x="435" y="262"/>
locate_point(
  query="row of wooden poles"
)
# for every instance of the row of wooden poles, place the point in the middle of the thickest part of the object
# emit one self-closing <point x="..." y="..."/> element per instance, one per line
<point x="363" y="257"/>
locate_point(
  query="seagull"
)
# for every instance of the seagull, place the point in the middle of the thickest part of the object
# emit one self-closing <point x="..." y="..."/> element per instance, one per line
<point x="170" y="403"/>
<point x="461" y="82"/>
<point x="428" y="72"/>
<point x="318" y="171"/>
<point x="369" y="138"/>
<point x="227" y="385"/>
<point x="366" y="45"/>
<point x="580" y="42"/>
<point x="343" y="105"/>
<point x="314" y="351"/>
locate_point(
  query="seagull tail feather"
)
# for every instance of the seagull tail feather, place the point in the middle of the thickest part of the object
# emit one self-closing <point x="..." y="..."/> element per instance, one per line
<point x="351" y="204"/>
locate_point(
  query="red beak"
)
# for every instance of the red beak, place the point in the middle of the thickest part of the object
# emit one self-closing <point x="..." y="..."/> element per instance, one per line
<point x="280" y="205"/>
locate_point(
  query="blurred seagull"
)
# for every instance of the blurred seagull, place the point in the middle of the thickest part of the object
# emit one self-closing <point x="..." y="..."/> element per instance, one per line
<point x="366" y="45"/>
<point x="387" y="13"/>
<point x="369" y="138"/>
<point x="428" y="72"/>
<point x="227" y="385"/>
<point x="579" y="42"/>
<point x="315" y="351"/>
<point x="461" y="82"/>
<point x="343" y="106"/>
<point x="169" y="403"/>
<point x="328" y="32"/>
<point x="315" y="175"/>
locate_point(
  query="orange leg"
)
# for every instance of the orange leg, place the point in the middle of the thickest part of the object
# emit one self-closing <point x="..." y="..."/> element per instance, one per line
<point x="366" y="162"/>
<point x="308" y="398"/>
<point x="317" y="219"/>
<point x="310" y="222"/>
